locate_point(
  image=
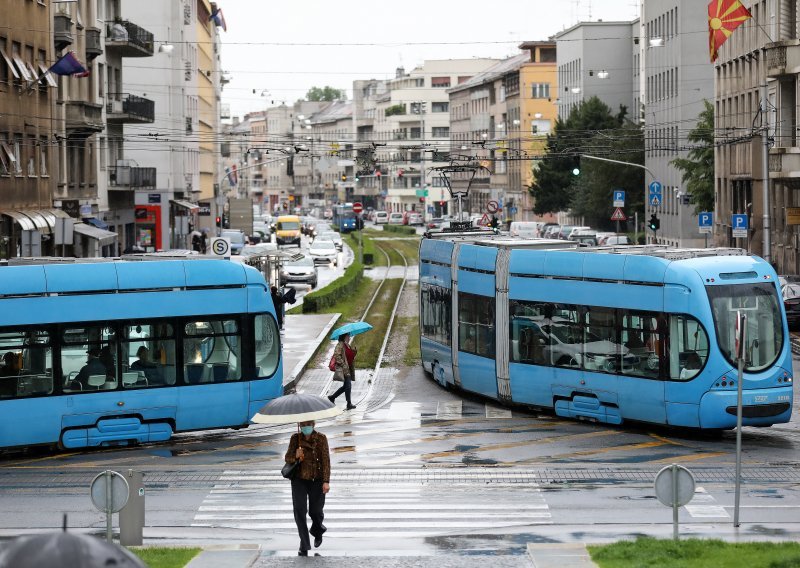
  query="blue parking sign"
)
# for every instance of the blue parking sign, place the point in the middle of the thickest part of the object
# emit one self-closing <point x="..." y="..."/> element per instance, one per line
<point x="619" y="198"/>
<point x="739" y="224"/>
<point x="705" y="221"/>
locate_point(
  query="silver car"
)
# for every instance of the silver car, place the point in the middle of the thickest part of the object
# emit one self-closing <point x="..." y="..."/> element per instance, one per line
<point x="323" y="251"/>
<point x="303" y="271"/>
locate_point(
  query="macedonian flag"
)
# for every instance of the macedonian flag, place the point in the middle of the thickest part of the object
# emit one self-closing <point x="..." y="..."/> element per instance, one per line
<point x="724" y="16"/>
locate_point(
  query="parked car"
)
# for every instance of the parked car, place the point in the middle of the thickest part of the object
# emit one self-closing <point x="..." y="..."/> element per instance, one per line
<point x="333" y="236"/>
<point x="323" y="251"/>
<point x="617" y="240"/>
<point x="578" y="230"/>
<point x="551" y="232"/>
<point x="303" y="271"/>
<point x="395" y="218"/>
<point x="788" y="279"/>
<point x="525" y="229"/>
<point x="238" y="240"/>
<point x="415" y="219"/>
<point x="584" y="237"/>
<point x="545" y="227"/>
<point x="380" y="217"/>
<point x="791" y="301"/>
<point x="602" y="236"/>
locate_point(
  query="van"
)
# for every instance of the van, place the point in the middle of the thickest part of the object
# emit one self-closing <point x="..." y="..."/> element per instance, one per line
<point x="525" y="229"/>
<point x="287" y="230"/>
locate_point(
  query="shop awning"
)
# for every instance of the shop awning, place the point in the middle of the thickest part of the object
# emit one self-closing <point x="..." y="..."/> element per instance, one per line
<point x="103" y="237"/>
<point x="38" y="219"/>
<point x="94" y="221"/>
<point x="22" y="220"/>
<point x="192" y="207"/>
<point x="59" y="213"/>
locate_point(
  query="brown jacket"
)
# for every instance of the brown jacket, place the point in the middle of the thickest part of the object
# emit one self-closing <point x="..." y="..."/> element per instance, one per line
<point x="341" y="360"/>
<point x="316" y="464"/>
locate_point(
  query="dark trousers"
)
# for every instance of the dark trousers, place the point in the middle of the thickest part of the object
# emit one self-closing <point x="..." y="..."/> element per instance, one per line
<point x="345" y="388"/>
<point x="307" y="497"/>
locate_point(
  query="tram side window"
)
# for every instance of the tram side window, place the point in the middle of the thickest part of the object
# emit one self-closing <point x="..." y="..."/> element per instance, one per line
<point x="688" y="347"/>
<point x="529" y="344"/>
<point x="476" y="325"/>
<point x="89" y="358"/>
<point x="640" y="339"/>
<point x="212" y="352"/>
<point x="565" y="334"/>
<point x="26" y="363"/>
<point x="601" y="347"/>
<point x="437" y="314"/>
<point x="148" y="355"/>
<point x="268" y="346"/>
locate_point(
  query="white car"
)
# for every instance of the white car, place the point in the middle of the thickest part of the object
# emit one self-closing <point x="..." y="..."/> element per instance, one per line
<point x="381" y="217"/>
<point x="323" y="251"/>
<point x="415" y="219"/>
<point x="395" y="218"/>
<point x="331" y="236"/>
<point x="525" y="229"/>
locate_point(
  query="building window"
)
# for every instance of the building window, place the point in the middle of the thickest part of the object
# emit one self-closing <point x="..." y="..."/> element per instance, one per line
<point x="18" y="154"/>
<point x="31" y="155"/>
<point x="441" y="132"/>
<point x="440" y="107"/>
<point x="540" y="90"/>
<point x="540" y="127"/>
<point x="44" y="154"/>
<point x="440" y="82"/>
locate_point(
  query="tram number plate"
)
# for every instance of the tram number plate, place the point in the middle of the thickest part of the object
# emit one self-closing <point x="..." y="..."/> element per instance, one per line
<point x="760" y="398"/>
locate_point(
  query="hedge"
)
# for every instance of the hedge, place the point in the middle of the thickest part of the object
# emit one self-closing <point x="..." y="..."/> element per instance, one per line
<point x="402" y="229"/>
<point x="340" y="288"/>
<point x="368" y="248"/>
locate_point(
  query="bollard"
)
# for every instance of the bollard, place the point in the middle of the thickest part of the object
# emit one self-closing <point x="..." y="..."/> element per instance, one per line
<point x="131" y="517"/>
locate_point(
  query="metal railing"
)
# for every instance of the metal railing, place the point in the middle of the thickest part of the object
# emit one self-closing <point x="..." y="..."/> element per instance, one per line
<point x="135" y="106"/>
<point x="133" y="177"/>
<point x="136" y="35"/>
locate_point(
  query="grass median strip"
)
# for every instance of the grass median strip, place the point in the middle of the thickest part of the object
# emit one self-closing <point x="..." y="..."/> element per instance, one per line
<point x="695" y="553"/>
<point x="162" y="557"/>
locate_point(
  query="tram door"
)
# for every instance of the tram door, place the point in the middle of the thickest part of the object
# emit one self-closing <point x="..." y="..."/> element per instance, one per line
<point x="641" y="390"/>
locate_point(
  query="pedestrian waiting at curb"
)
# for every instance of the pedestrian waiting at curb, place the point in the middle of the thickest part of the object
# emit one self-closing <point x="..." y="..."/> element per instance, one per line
<point x="344" y="371"/>
<point x="310" y="484"/>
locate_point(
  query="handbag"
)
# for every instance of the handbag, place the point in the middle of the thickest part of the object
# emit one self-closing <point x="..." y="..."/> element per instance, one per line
<point x="338" y="375"/>
<point x="332" y="363"/>
<point x="289" y="470"/>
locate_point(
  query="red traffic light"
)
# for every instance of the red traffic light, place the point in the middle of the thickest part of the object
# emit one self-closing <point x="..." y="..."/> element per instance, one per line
<point x="219" y="221"/>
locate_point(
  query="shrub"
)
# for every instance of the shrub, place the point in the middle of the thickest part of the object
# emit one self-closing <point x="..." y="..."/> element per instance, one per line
<point x="402" y="229"/>
<point x="335" y="291"/>
<point x="367" y="248"/>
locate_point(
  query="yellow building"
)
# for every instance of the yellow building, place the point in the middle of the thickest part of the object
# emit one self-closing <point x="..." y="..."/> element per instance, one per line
<point x="537" y="116"/>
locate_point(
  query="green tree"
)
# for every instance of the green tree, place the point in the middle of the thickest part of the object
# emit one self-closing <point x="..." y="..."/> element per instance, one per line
<point x="592" y="191"/>
<point x="325" y="93"/>
<point x="570" y="138"/>
<point x="698" y="168"/>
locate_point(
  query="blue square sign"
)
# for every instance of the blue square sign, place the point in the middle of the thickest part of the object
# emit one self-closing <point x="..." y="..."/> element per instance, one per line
<point x="739" y="225"/>
<point x="655" y="198"/>
<point x="705" y="221"/>
<point x="619" y="198"/>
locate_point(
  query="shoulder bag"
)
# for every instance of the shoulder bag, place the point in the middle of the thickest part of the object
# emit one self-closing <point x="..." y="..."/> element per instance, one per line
<point x="289" y="470"/>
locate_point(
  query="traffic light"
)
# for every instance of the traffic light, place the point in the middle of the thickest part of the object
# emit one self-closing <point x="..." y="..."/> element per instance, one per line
<point x="655" y="223"/>
<point x="344" y="177"/>
<point x="219" y="221"/>
<point x="422" y="200"/>
<point x="400" y="173"/>
<point x="576" y="171"/>
<point x="356" y="178"/>
<point x="441" y="204"/>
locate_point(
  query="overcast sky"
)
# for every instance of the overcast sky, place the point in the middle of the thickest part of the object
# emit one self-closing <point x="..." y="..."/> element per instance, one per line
<point x="267" y="46"/>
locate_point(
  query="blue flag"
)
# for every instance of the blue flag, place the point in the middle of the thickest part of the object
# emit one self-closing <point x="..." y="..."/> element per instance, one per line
<point x="68" y="65"/>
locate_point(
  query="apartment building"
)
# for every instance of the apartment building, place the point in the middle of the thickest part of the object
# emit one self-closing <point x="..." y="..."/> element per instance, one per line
<point x="412" y="124"/>
<point x="678" y="79"/>
<point x="595" y="59"/>
<point x="763" y="51"/>
<point x="325" y="157"/>
<point x="28" y="134"/>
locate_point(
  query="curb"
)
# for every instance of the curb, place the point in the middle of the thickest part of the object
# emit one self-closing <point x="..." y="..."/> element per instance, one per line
<point x="224" y="556"/>
<point x="300" y="368"/>
<point x="558" y="555"/>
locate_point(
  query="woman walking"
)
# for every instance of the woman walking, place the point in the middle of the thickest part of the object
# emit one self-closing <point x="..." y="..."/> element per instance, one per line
<point x="344" y="355"/>
<point x="310" y="483"/>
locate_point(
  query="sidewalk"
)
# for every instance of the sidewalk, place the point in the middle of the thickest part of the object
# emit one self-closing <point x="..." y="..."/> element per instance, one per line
<point x="301" y="337"/>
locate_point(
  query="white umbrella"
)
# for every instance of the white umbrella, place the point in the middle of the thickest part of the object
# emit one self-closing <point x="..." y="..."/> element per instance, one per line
<point x="297" y="407"/>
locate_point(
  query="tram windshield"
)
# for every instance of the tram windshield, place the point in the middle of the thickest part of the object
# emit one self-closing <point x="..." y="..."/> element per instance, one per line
<point x="759" y="302"/>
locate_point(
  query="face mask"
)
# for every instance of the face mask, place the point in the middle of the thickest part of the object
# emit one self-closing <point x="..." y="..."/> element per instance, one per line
<point x="306" y="430"/>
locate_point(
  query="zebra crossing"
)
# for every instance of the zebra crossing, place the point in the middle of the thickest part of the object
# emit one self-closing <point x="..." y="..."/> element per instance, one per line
<point x="379" y="503"/>
<point x="703" y="506"/>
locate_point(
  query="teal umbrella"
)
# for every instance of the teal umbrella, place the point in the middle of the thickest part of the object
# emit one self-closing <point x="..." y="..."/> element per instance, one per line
<point x="354" y="328"/>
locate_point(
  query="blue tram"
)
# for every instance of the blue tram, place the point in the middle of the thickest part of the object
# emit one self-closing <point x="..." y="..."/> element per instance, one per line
<point x="100" y="353"/>
<point x="605" y="334"/>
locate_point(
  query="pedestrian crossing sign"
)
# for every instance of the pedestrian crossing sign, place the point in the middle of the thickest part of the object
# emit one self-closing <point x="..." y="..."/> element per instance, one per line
<point x="485" y="221"/>
<point x="618" y="215"/>
<point x="655" y="199"/>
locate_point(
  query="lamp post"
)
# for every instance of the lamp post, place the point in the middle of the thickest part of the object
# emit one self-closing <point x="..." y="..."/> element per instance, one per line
<point x="645" y="168"/>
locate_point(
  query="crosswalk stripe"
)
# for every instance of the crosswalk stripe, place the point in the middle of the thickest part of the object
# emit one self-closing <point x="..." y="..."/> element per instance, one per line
<point x="449" y="410"/>
<point x="406" y="504"/>
<point x="705" y="511"/>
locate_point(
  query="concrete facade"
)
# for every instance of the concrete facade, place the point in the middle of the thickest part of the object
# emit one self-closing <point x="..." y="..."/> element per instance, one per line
<point x="678" y="79"/>
<point x="595" y="59"/>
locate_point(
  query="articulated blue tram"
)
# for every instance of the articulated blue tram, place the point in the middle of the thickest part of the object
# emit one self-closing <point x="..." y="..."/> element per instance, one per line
<point x="606" y="334"/>
<point x="104" y="353"/>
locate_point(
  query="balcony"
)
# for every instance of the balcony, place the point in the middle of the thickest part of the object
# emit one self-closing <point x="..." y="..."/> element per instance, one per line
<point x="62" y="31"/>
<point x="125" y="177"/>
<point x="83" y="119"/>
<point x="783" y="58"/>
<point x="124" y="108"/>
<point x="94" y="43"/>
<point x="129" y="40"/>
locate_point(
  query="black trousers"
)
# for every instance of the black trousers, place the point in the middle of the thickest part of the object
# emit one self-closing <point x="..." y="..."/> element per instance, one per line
<point x="345" y="388"/>
<point x="307" y="497"/>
